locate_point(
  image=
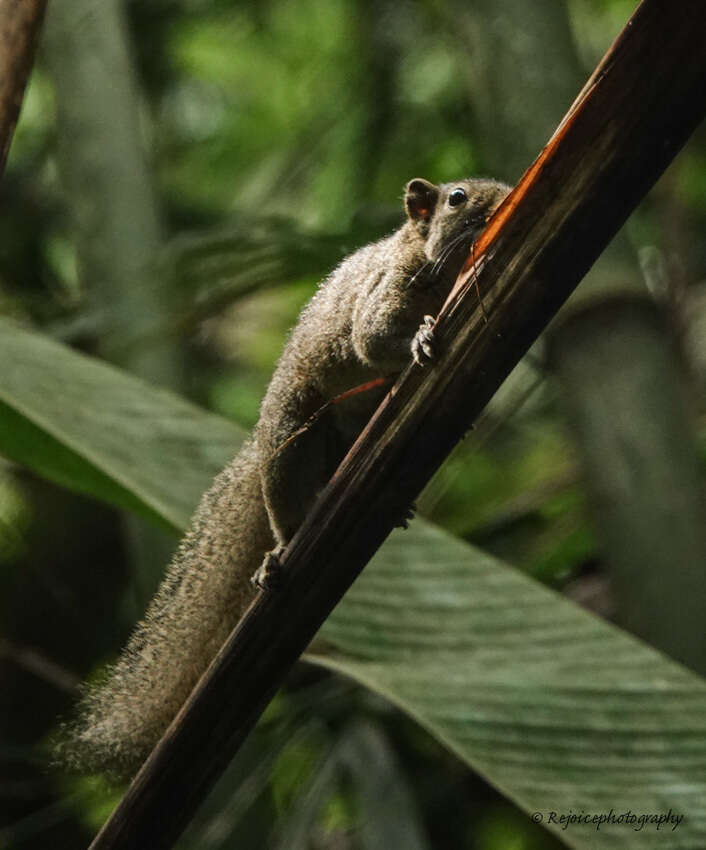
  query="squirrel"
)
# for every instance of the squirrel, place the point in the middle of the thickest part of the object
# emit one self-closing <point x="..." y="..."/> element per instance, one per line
<point x="364" y="322"/>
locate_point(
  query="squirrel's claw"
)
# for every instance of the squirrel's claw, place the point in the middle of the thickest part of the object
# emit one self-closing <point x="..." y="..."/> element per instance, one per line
<point x="267" y="575"/>
<point x="423" y="344"/>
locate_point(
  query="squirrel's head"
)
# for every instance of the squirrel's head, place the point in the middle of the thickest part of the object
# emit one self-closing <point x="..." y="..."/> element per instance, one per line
<point x="452" y="215"/>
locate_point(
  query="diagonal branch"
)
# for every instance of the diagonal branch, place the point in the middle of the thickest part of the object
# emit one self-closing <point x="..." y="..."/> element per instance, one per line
<point x="20" y="21"/>
<point x="631" y="118"/>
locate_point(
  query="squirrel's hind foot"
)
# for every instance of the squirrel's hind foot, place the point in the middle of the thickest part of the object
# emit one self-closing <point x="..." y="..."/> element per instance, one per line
<point x="267" y="575"/>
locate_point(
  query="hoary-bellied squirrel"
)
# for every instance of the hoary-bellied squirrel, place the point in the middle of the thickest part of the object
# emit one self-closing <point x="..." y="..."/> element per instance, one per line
<point x="363" y="323"/>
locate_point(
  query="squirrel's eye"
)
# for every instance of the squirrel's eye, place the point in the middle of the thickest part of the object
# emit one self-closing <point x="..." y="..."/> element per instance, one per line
<point x="458" y="196"/>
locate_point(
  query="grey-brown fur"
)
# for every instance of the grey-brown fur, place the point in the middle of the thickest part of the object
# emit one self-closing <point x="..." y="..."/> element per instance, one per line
<point x="360" y="325"/>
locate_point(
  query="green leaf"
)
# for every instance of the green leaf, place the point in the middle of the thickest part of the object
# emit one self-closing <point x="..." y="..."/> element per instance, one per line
<point x="98" y="430"/>
<point x="561" y="711"/>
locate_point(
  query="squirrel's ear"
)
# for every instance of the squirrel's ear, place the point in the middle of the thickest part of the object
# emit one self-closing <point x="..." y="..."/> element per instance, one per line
<point x="420" y="199"/>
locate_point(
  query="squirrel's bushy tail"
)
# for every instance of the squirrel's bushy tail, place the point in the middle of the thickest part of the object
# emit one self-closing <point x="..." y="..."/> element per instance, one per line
<point x="197" y="604"/>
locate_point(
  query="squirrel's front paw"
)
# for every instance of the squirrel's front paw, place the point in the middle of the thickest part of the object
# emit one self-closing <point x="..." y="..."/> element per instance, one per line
<point x="423" y="344"/>
<point x="266" y="576"/>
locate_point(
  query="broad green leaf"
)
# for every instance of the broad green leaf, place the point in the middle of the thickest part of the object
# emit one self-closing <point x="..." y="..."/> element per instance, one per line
<point x="561" y="711"/>
<point x="93" y="428"/>
<point x="558" y="709"/>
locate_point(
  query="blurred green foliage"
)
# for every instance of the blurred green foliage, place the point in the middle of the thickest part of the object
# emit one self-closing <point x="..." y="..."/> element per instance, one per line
<point x="279" y="136"/>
